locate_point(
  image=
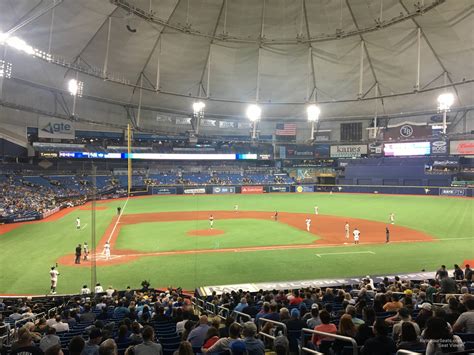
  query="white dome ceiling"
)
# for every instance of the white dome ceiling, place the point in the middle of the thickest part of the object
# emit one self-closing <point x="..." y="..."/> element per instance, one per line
<point x="281" y="53"/>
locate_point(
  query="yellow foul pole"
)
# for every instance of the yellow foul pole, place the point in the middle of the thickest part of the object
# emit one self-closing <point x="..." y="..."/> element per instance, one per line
<point x="129" y="159"/>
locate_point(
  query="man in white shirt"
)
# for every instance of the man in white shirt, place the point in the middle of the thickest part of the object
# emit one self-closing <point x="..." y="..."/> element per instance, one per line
<point x="308" y="224"/>
<point x="356" y="234"/>
<point x="78" y="223"/>
<point x="98" y="288"/>
<point x="59" y="325"/>
<point x="85" y="290"/>
<point x="54" y="279"/>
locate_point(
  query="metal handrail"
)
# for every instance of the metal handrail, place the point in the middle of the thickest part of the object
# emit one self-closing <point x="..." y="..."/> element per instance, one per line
<point x="223" y="312"/>
<point x="407" y="352"/>
<point x="240" y="314"/>
<point x="210" y="307"/>
<point x="24" y="321"/>
<point x="355" y="349"/>
<point x="261" y="320"/>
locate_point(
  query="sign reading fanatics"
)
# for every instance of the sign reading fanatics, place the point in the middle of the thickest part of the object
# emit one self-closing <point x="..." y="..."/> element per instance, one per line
<point x="348" y="151"/>
<point x="50" y="127"/>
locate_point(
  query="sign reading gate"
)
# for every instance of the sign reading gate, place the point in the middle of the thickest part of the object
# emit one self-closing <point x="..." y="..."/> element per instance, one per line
<point x="51" y="127"/>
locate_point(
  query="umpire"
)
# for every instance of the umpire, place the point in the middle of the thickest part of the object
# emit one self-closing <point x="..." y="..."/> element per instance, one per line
<point x="78" y="254"/>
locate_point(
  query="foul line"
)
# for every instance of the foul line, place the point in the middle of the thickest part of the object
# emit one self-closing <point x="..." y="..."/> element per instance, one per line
<point x="346" y="253"/>
<point x="85" y="225"/>
<point x="118" y="220"/>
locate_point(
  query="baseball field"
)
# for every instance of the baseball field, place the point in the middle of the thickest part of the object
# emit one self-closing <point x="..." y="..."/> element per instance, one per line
<point x="168" y="240"/>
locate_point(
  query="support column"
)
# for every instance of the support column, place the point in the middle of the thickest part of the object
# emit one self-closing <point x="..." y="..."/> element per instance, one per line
<point x="107" y="46"/>
<point x="361" y="69"/>
<point x="418" y="60"/>
<point x="157" y="87"/>
<point x="140" y="100"/>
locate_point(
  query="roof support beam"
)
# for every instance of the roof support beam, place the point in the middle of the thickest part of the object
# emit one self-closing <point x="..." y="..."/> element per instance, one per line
<point x="76" y="58"/>
<point x="107" y="46"/>
<point x="364" y="47"/>
<point x="33" y="17"/>
<point x="157" y="42"/>
<point x="438" y="59"/>
<point x="311" y="59"/>
<point x="207" y="64"/>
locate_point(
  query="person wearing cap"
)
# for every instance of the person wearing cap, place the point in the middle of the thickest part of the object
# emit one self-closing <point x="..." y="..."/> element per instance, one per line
<point x="426" y="312"/>
<point x="314" y="320"/>
<point x="92" y="345"/>
<point x="254" y="346"/>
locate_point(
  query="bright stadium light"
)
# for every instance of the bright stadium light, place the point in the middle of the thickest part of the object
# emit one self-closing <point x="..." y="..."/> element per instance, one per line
<point x="19" y="44"/>
<point x="444" y="104"/>
<point x="254" y="112"/>
<point x="74" y="87"/>
<point x="198" y="113"/>
<point x="198" y="107"/>
<point x="445" y="101"/>
<point x="313" y="112"/>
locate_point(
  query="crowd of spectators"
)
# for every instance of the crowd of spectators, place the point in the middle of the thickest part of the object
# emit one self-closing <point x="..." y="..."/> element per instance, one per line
<point x="380" y="318"/>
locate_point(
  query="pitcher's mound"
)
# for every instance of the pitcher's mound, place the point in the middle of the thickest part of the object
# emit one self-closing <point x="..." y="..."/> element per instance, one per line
<point x="205" y="232"/>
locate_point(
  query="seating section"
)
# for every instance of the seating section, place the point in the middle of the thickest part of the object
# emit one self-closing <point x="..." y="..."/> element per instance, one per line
<point x="123" y="315"/>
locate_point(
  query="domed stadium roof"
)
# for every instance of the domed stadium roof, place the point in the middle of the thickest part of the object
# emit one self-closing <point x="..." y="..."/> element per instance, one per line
<point x="280" y="53"/>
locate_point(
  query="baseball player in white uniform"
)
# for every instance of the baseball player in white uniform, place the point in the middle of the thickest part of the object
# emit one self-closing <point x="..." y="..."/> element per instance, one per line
<point x="107" y="250"/>
<point x="78" y="223"/>
<point x="316" y="210"/>
<point x="236" y="208"/>
<point x="392" y="218"/>
<point x="211" y="221"/>
<point x="54" y="279"/>
<point x="347" y="229"/>
<point x="356" y="234"/>
<point x="86" y="250"/>
<point x="308" y="224"/>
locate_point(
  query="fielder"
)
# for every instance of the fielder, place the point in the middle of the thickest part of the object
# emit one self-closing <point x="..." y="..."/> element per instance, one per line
<point x="78" y="223"/>
<point x="106" y="251"/>
<point x="54" y="279"/>
<point x="308" y="224"/>
<point x="391" y="218"/>
<point x="347" y="229"/>
<point x="316" y="210"/>
<point x="211" y="221"/>
<point x="275" y="216"/>
<point x="86" y="251"/>
<point x="356" y="234"/>
<point x="236" y="208"/>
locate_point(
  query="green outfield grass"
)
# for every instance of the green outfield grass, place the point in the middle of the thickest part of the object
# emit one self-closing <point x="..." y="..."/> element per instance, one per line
<point x="29" y="251"/>
<point x="166" y="236"/>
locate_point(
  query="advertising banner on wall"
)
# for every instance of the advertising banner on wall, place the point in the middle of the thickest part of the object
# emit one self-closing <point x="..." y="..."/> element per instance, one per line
<point x="223" y="190"/>
<point x="304" y="188"/>
<point x="51" y="127"/>
<point x="278" y="188"/>
<point x="452" y="191"/>
<point x="199" y="190"/>
<point x="439" y="147"/>
<point x="252" y="189"/>
<point x="461" y="147"/>
<point x="348" y="151"/>
<point x="164" y="190"/>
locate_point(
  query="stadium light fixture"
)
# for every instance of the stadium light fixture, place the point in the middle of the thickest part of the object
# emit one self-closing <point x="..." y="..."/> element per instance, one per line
<point x="254" y="112"/>
<point x="198" y="107"/>
<point x="5" y="69"/>
<point x="18" y="44"/>
<point x="445" y="102"/>
<point x="75" y="87"/>
<point x="313" y="112"/>
<point x="198" y="113"/>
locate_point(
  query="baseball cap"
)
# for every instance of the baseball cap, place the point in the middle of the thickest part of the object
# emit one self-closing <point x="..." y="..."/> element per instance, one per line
<point x="295" y="313"/>
<point x="408" y="292"/>
<point x="426" y="306"/>
<point x="314" y="306"/>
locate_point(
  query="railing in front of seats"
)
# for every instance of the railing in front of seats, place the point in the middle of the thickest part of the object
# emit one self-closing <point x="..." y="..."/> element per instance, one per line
<point x="304" y="331"/>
